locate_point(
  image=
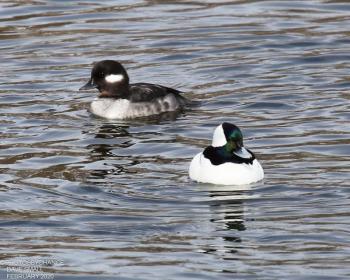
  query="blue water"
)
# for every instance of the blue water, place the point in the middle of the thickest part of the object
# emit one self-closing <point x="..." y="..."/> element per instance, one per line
<point x="112" y="199"/>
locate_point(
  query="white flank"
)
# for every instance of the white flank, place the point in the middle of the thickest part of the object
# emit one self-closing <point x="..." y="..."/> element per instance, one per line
<point x="201" y="170"/>
<point x="110" y="108"/>
<point x="114" y="78"/>
<point x="219" y="138"/>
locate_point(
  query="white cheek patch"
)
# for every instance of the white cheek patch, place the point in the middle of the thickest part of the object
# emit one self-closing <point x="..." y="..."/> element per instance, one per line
<point x="219" y="138"/>
<point x="114" y="78"/>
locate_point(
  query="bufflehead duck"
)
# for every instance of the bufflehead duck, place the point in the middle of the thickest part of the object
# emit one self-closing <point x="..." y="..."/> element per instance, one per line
<point x="120" y="100"/>
<point x="226" y="161"/>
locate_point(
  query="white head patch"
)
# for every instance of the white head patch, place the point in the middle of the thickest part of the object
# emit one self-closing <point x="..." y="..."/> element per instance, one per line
<point x="219" y="138"/>
<point x="114" y="78"/>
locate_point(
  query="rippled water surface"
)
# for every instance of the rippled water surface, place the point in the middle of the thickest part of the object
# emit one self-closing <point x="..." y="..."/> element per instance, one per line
<point x="112" y="199"/>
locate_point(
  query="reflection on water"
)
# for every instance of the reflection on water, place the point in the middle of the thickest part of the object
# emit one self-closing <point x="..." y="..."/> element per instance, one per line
<point x="114" y="136"/>
<point x="113" y="198"/>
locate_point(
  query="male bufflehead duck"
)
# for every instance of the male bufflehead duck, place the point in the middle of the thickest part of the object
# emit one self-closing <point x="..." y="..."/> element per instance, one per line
<point x="120" y="100"/>
<point x="226" y="161"/>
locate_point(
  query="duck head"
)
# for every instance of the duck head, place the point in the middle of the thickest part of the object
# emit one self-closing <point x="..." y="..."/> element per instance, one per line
<point x="230" y="138"/>
<point x="110" y="78"/>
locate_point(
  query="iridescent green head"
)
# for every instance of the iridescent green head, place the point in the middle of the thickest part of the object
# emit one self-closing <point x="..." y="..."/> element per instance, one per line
<point x="229" y="136"/>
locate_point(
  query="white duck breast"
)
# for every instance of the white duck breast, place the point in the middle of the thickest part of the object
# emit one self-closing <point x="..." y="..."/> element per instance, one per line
<point x="111" y="108"/>
<point x="228" y="173"/>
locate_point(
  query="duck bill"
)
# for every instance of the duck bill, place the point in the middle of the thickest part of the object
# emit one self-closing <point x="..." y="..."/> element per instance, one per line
<point x="89" y="85"/>
<point x="243" y="153"/>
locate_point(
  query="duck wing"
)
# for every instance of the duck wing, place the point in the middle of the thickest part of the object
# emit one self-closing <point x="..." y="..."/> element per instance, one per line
<point x="144" y="92"/>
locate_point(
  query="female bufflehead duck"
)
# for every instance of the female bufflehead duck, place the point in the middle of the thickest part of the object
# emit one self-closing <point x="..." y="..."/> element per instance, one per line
<point x="226" y="161"/>
<point x="120" y="100"/>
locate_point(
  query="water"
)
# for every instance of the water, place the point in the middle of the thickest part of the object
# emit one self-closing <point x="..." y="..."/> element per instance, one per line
<point x="112" y="199"/>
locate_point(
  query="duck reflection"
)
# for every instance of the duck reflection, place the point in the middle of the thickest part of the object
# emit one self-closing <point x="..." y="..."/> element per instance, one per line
<point x="111" y="131"/>
<point x="111" y="136"/>
<point x="108" y="138"/>
<point x="227" y="207"/>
